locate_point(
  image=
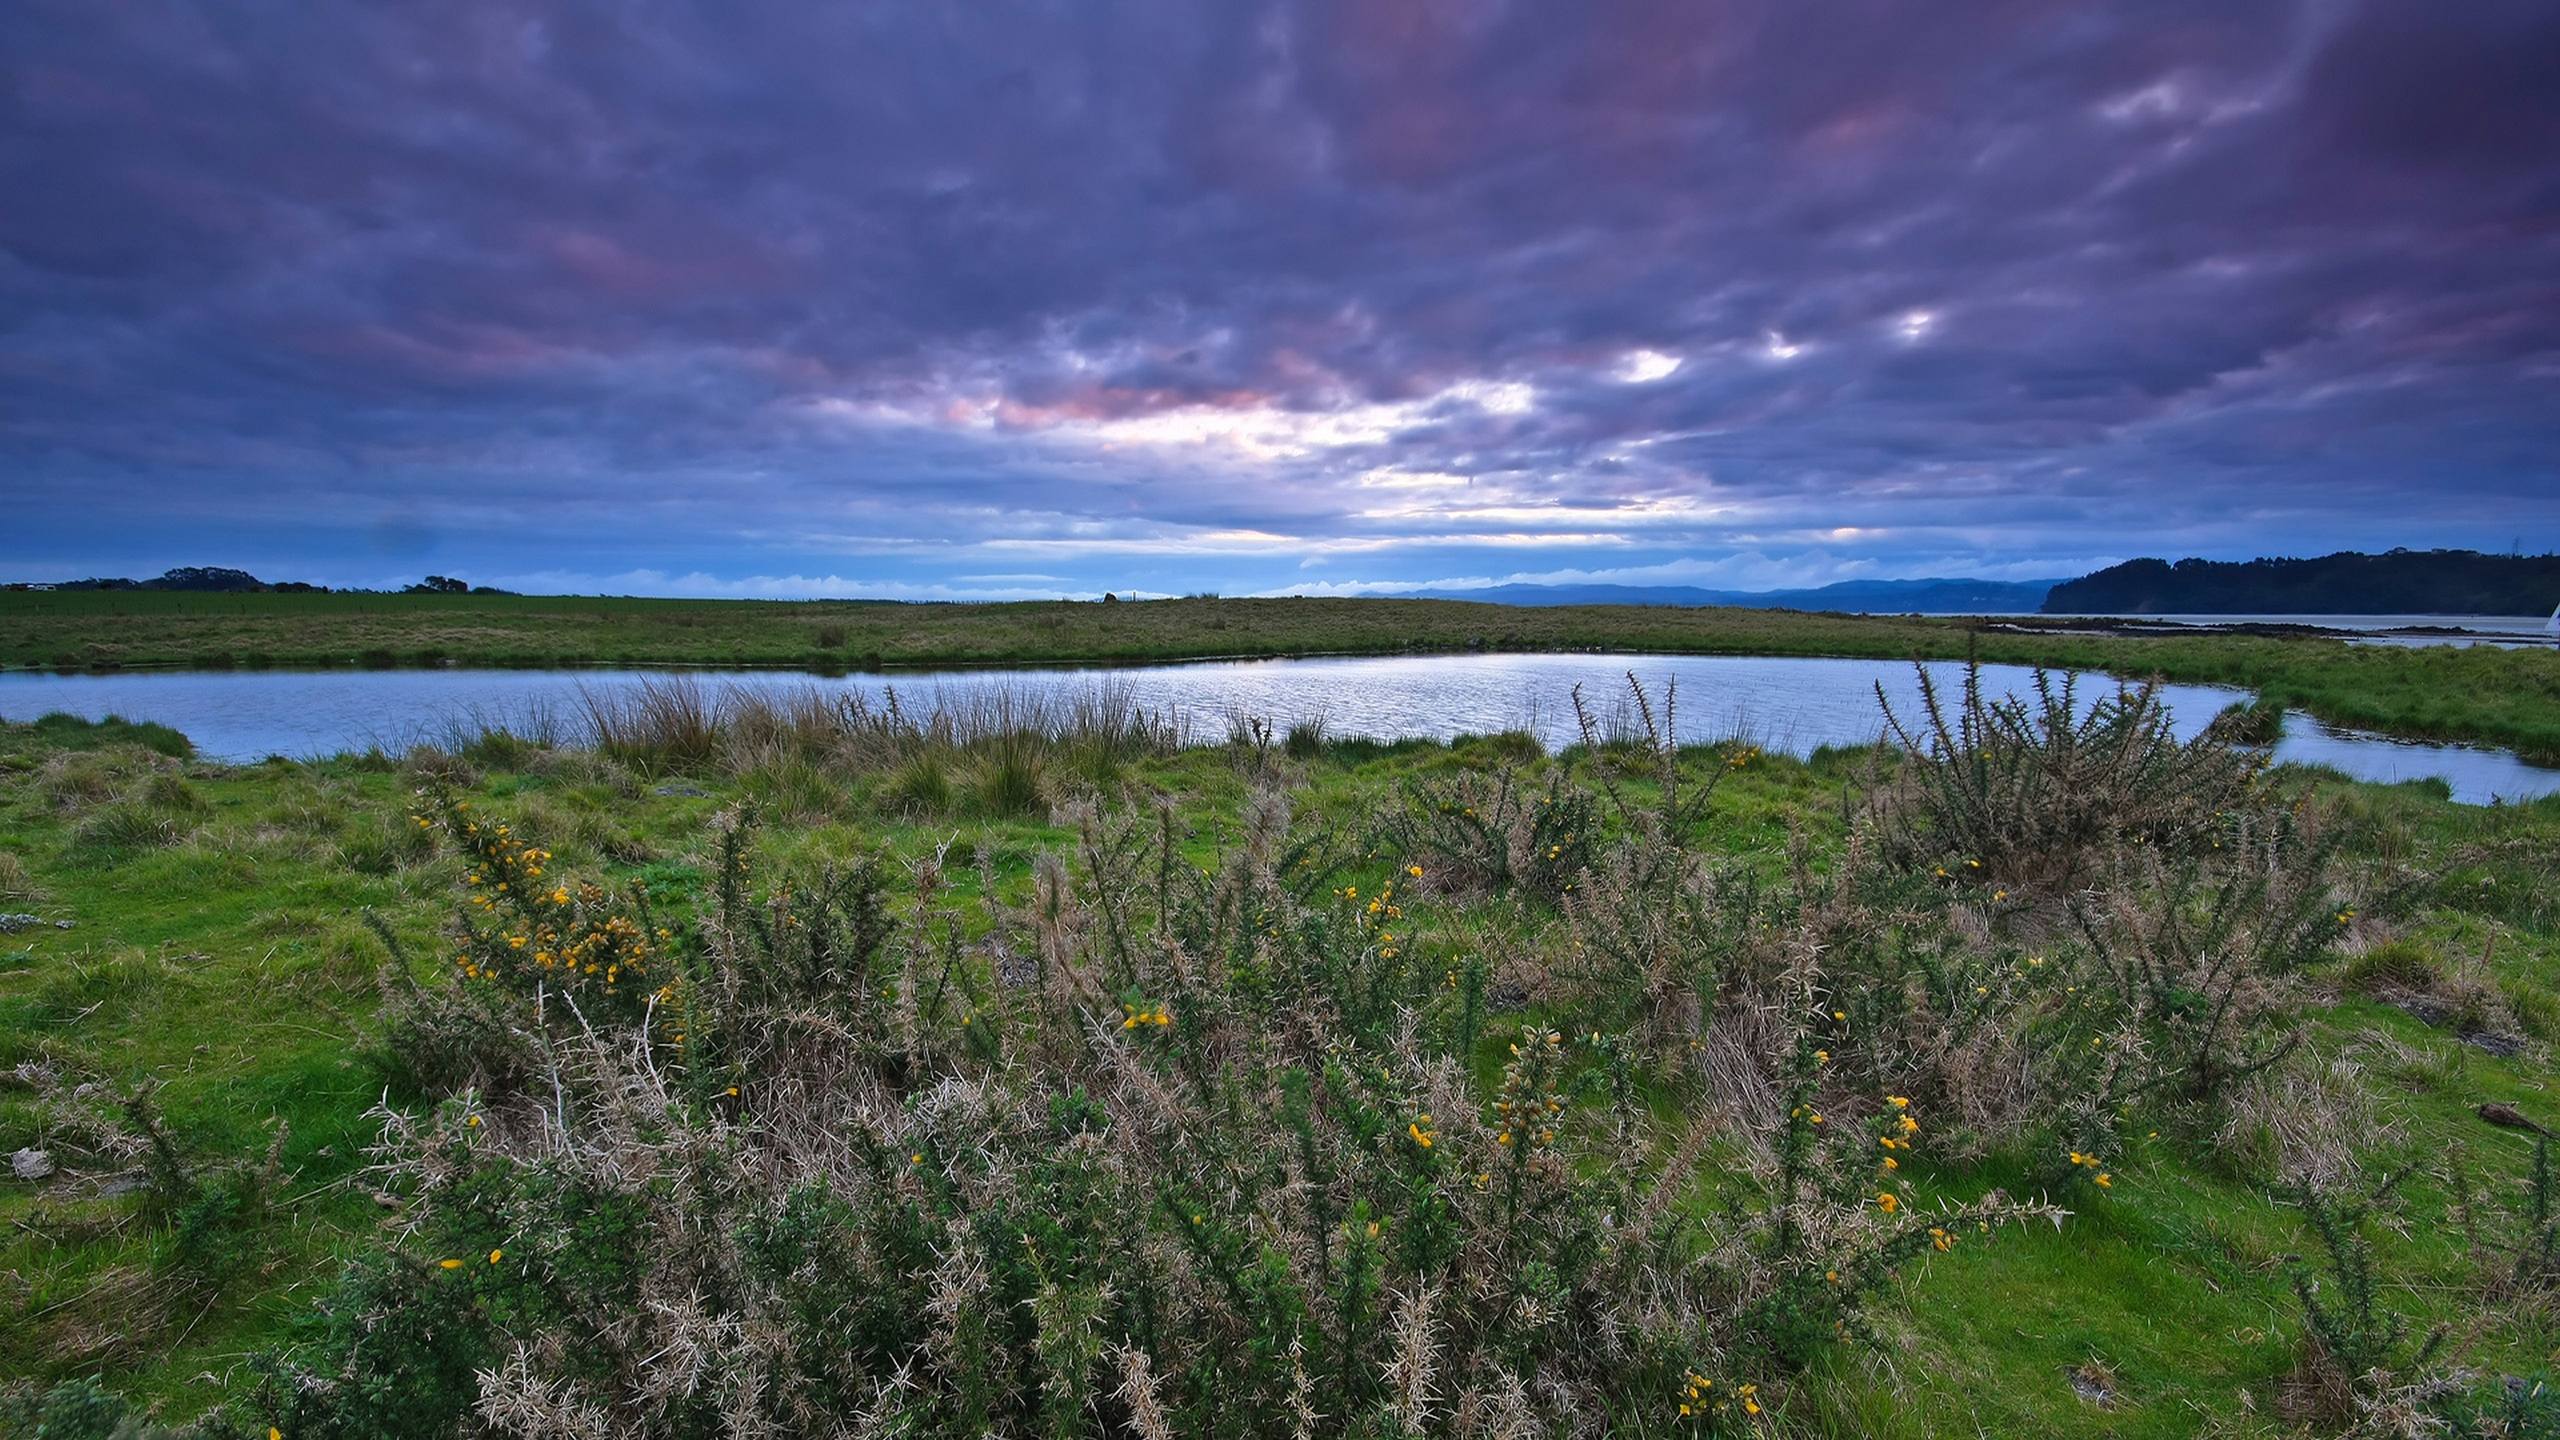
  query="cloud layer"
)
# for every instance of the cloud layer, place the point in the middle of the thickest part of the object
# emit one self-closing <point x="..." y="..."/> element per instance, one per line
<point x="950" y="300"/>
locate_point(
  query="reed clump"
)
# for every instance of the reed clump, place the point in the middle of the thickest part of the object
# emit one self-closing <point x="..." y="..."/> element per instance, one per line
<point x="990" y="751"/>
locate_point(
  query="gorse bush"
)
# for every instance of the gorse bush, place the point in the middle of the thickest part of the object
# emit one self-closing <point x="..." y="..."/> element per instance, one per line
<point x="1504" y="1109"/>
<point x="2358" y="1352"/>
<point x="2515" y="1234"/>
<point x="2030" y="790"/>
<point x="1496" y="833"/>
<point x="533" y="935"/>
<point x="1172" y="1147"/>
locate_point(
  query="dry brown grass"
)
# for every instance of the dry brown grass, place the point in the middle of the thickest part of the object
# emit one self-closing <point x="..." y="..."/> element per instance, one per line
<point x="17" y="882"/>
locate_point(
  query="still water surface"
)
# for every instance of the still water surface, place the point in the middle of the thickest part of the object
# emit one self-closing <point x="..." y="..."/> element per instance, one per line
<point x="1782" y="704"/>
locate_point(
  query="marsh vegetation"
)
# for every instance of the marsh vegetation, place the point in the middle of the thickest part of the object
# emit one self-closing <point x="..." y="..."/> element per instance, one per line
<point x="2496" y="696"/>
<point x="799" y="1068"/>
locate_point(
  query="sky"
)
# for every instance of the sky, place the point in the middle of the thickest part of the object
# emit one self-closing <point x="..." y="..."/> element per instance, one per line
<point x="996" y="300"/>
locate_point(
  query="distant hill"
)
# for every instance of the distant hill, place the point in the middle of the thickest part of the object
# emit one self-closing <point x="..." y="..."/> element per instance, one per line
<point x="215" y="578"/>
<point x="2400" y="582"/>
<point x="222" y="580"/>
<point x="1900" y="597"/>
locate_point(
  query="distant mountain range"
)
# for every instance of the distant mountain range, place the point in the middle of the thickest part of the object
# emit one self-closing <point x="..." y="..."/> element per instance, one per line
<point x="1896" y="597"/>
<point x="2398" y="582"/>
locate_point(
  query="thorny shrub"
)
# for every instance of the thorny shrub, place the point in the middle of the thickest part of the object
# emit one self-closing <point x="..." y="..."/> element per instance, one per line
<point x="1168" y="1142"/>
<point x="1496" y="834"/>
<point x="2042" y="1017"/>
<point x="2032" y="791"/>
<point x="1172" y="1148"/>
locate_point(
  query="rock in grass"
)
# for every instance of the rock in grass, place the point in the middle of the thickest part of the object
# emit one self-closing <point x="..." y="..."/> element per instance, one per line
<point x="14" y="921"/>
<point x="31" y="1164"/>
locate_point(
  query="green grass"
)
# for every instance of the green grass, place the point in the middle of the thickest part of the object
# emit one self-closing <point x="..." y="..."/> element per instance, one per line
<point x="226" y="960"/>
<point x="2506" y="697"/>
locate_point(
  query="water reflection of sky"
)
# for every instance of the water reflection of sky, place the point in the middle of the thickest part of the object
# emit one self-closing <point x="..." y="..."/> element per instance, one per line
<point x="1785" y="704"/>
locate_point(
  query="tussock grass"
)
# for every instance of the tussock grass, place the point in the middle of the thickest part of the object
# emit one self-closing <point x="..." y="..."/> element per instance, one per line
<point x="921" y="785"/>
<point x="69" y="732"/>
<point x="677" y="724"/>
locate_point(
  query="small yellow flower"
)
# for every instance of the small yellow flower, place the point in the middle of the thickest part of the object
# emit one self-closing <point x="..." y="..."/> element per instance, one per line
<point x="449" y="1264"/>
<point x="1414" y="870"/>
<point x="1888" y="1202"/>
<point x="497" y="1255"/>
<point x="2106" y="1181"/>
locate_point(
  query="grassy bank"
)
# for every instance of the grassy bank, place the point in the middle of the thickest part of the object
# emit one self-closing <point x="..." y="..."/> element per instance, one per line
<point x="2503" y="697"/>
<point x="201" y="1053"/>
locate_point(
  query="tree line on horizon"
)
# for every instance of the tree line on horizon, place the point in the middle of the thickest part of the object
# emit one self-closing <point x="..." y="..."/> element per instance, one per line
<point x="2397" y="582"/>
<point x="224" y="580"/>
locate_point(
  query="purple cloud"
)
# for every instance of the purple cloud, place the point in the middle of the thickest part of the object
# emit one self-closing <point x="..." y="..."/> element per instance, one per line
<point x="1034" y="299"/>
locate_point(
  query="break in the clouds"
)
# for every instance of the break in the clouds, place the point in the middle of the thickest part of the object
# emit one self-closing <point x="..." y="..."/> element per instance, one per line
<point x="946" y="301"/>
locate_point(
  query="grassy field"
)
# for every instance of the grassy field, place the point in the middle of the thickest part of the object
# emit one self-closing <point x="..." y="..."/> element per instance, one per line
<point x="2504" y="697"/>
<point x="202" y="1051"/>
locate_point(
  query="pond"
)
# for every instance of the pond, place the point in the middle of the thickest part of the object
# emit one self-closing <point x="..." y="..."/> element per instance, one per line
<point x="1792" y="705"/>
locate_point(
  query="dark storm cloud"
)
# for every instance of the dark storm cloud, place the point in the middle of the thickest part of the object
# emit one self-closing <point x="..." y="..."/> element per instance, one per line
<point x="1179" y="293"/>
